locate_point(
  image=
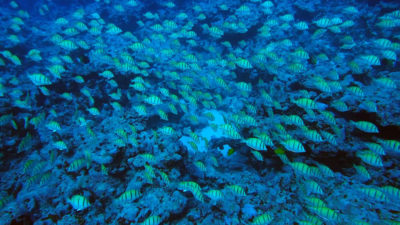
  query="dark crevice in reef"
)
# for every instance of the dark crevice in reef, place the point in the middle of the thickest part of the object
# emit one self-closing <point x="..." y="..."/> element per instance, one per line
<point x="235" y="38"/>
<point x="123" y="81"/>
<point x="385" y="132"/>
<point x="119" y="162"/>
<point x="23" y="220"/>
<point x="363" y="78"/>
<point x="179" y="164"/>
<point x="389" y="132"/>
<point x="296" y="86"/>
<point x="175" y="217"/>
<point x="80" y="55"/>
<point x="337" y="161"/>
<point x="242" y="75"/>
<point x="304" y="15"/>
<point x="357" y="116"/>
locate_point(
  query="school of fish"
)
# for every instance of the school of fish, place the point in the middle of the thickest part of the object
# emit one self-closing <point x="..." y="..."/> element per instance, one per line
<point x="200" y="112"/>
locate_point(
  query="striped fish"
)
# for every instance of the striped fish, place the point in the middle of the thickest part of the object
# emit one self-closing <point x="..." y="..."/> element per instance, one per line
<point x="293" y="145"/>
<point x="370" y="60"/>
<point x="214" y="194"/>
<point x="313" y="187"/>
<point x="263" y="219"/>
<point x="60" y="145"/>
<point x="152" y="220"/>
<point x="305" y="103"/>
<point x="79" y="202"/>
<point x="325" y="213"/>
<point x="237" y="190"/>
<point x="164" y="177"/>
<point x="93" y="111"/>
<point x="68" y="45"/>
<point x="374" y="193"/>
<point x="78" y="164"/>
<point x="329" y="137"/>
<point x="53" y="126"/>
<point x="391" y="145"/>
<point x="39" y="79"/>
<point x="200" y="165"/>
<point x="363" y="172"/>
<point x="392" y="191"/>
<point x="370" y="158"/>
<point x="230" y="131"/>
<point x="366" y="126"/>
<point x="192" y="187"/>
<point x="153" y="100"/>
<point x="326" y="170"/>
<point x="301" y="168"/>
<point x="377" y="148"/>
<point x="265" y="139"/>
<point x="313" y="135"/>
<point x="257" y="155"/>
<point x="315" y="202"/>
<point x="129" y="196"/>
<point x="243" y="63"/>
<point x="256" y="144"/>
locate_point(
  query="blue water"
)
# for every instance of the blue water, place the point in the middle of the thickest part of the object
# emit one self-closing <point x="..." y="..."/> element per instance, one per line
<point x="199" y="112"/>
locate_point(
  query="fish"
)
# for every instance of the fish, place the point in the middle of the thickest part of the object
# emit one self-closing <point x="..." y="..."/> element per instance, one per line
<point x="263" y="219"/>
<point x="79" y="202"/>
<point x="129" y="196"/>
